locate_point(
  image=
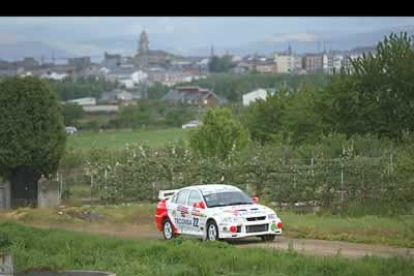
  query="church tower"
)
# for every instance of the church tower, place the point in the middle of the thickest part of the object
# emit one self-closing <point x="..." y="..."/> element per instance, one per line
<point x="143" y="51"/>
<point x="143" y="44"/>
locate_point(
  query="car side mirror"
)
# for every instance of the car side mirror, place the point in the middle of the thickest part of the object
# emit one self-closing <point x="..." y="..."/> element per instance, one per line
<point x="255" y="199"/>
<point x="199" y="204"/>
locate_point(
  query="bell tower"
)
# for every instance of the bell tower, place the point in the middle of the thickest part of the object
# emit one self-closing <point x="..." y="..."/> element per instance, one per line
<point x="143" y="51"/>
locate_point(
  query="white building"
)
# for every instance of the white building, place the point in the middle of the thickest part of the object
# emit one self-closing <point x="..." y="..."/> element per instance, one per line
<point x="236" y="59"/>
<point x="337" y="62"/>
<point x="83" y="101"/>
<point x="139" y="77"/>
<point x="254" y="95"/>
<point x="54" y="76"/>
<point x="127" y="83"/>
<point x="285" y="63"/>
<point x="325" y="63"/>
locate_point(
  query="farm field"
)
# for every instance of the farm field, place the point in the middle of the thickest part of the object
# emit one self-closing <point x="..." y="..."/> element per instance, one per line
<point x="118" y="139"/>
<point x="63" y="250"/>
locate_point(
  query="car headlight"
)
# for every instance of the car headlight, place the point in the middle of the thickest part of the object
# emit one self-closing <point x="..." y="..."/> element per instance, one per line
<point x="230" y="220"/>
<point x="272" y="216"/>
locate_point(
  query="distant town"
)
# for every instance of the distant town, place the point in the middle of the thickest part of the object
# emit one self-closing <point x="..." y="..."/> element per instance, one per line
<point x="132" y="75"/>
<point x="151" y="66"/>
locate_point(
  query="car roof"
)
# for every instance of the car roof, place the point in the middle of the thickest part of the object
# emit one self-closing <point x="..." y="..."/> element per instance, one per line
<point x="213" y="188"/>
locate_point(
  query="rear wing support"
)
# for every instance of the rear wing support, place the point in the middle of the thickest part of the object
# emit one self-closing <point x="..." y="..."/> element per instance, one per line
<point x="165" y="194"/>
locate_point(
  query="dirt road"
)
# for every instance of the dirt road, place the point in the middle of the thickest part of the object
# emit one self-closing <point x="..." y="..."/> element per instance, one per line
<point x="303" y="246"/>
<point x="326" y="248"/>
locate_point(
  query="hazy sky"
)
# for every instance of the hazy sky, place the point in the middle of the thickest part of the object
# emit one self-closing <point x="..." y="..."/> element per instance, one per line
<point x="83" y="34"/>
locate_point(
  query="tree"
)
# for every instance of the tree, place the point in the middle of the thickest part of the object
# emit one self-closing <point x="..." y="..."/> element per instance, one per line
<point x="84" y="87"/>
<point x="32" y="135"/>
<point x="222" y="64"/>
<point x="376" y="95"/>
<point x="157" y="91"/>
<point x="72" y="113"/>
<point x="219" y="135"/>
<point x="233" y="86"/>
<point x="301" y="122"/>
<point x="264" y="118"/>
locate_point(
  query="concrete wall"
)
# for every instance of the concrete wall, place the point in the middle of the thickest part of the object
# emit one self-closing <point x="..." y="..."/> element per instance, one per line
<point x="48" y="193"/>
<point x="5" y="195"/>
<point x="6" y="265"/>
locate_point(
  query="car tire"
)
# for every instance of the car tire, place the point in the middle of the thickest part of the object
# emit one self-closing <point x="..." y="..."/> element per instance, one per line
<point x="167" y="229"/>
<point x="268" y="238"/>
<point x="212" y="233"/>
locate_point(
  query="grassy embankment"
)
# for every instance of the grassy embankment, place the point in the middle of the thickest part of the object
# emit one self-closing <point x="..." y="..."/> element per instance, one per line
<point x="59" y="249"/>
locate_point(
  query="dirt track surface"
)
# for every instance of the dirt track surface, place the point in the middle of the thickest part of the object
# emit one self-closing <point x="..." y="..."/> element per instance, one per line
<point x="303" y="246"/>
<point x="329" y="248"/>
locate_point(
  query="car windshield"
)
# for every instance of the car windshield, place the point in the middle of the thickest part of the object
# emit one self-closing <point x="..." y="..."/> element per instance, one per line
<point x="227" y="199"/>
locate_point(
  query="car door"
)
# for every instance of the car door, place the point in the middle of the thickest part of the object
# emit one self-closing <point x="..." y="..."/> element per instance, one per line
<point x="180" y="212"/>
<point x="197" y="214"/>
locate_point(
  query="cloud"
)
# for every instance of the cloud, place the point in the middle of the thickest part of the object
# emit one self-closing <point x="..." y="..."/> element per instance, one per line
<point x="298" y="37"/>
<point x="77" y="49"/>
<point x="10" y="38"/>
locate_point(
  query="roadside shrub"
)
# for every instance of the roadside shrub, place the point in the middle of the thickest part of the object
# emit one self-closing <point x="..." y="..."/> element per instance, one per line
<point x="335" y="176"/>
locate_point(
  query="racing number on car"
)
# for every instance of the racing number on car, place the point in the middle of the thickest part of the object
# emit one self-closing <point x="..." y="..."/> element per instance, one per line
<point x="195" y="222"/>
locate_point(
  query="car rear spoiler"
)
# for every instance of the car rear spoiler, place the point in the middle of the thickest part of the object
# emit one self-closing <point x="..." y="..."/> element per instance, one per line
<point x="165" y="194"/>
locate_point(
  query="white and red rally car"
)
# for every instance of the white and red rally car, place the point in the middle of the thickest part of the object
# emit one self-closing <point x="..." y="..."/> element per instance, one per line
<point x="214" y="212"/>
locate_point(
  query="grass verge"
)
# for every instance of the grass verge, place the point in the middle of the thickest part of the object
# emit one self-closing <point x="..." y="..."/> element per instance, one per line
<point x="59" y="249"/>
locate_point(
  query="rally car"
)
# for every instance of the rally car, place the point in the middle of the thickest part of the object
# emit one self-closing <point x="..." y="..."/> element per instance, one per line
<point x="214" y="212"/>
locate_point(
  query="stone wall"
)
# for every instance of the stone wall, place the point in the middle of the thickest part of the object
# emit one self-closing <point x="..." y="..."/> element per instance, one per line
<point x="48" y="193"/>
<point x="5" y="196"/>
<point x="6" y="265"/>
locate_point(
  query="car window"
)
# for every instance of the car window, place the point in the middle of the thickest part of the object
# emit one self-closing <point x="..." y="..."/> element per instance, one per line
<point x="227" y="199"/>
<point x="174" y="198"/>
<point x="195" y="196"/>
<point x="182" y="197"/>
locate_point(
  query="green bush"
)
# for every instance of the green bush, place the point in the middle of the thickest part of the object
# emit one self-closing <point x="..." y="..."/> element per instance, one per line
<point x="349" y="183"/>
<point x="219" y="135"/>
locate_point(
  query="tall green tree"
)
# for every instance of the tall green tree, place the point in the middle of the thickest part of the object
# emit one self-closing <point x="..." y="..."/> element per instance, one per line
<point x="72" y="113"/>
<point x="301" y="121"/>
<point x="264" y="118"/>
<point x="219" y="135"/>
<point x="32" y="135"/>
<point x="377" y="94"/>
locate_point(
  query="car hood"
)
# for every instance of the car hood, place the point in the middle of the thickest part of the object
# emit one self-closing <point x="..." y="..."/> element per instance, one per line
<point x="244" y="210"/>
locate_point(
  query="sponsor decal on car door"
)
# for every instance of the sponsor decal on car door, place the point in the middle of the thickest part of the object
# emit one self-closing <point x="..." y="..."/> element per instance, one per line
<point x="196" y="213"/>
<point x="181" y="213"/>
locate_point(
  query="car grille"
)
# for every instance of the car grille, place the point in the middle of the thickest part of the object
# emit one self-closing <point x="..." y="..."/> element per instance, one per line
<point x="257" y="228"/>
<point x="256" y="218"/>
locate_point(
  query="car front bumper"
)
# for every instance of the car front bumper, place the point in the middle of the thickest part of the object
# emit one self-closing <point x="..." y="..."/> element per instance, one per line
<point x="251" y="229"/>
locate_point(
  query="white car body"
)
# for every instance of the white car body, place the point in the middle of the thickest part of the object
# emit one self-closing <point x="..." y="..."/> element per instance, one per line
<point x="191" y="124"/>
<point x="246" y="220"/>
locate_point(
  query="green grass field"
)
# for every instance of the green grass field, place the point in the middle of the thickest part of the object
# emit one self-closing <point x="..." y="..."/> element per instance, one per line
<point x="64" y="250"/>
<point x="118" y="139"/>
<point x="366" y="229"/>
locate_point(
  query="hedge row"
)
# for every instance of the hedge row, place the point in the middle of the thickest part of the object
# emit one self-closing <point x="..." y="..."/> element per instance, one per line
<point x="277" y="174"/>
